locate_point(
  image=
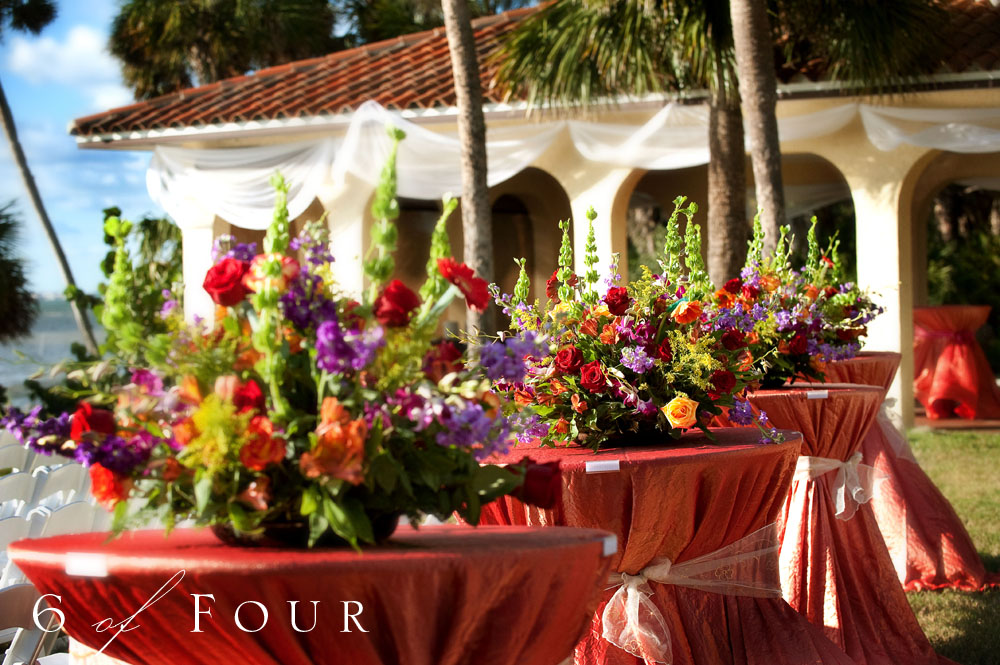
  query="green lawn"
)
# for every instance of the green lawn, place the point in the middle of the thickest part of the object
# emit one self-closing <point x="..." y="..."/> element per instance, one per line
<point x="966" y="468"/>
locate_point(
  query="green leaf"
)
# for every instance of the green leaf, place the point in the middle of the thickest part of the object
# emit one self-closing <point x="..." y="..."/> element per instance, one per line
<point x="310" y="501"/>
<point x="473" y="506"/>
<point x="339" y="520"/>
<point x="202" y="491"/>
<point x="383" y="469"/>
<point x="361" y="525"/>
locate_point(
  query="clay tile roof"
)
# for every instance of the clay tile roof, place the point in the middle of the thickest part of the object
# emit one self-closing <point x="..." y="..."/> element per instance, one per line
<point x="414" y="72"/>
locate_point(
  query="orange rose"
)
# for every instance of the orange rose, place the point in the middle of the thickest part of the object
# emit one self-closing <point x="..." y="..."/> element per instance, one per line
<point x="687" y="311"/>
<point x="184" y="431"/>
<point x="190" y="391"/>
<point x="681" y="412"/>
<point x="770" y="282"/>
<point x="812" y="293"/>
<point x="261" y="449"/>
<point x="108" y="487"/>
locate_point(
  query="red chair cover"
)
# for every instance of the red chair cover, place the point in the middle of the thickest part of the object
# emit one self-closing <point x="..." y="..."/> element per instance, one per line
<point x="928" y="543"/>
<point x="443" y="595"/>
<point x="952" y="374"/>
<point x="681" y="501"/>
<point x="835" y="572"/>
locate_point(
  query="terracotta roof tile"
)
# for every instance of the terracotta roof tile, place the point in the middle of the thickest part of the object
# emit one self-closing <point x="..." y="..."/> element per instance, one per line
<point x="414" y="72"/>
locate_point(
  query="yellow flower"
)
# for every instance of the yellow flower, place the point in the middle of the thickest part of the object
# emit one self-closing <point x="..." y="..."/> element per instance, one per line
<point x="561" y="309"/>
<point x="601" y="309"/>
<point x="681" y="412"/>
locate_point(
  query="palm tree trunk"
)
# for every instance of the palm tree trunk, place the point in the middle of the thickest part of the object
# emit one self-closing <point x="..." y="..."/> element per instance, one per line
<point x="727" y="222"/>
<point x="759" y="93"/>
<point x="476" y="217"/>
<point x="82" y="322"/>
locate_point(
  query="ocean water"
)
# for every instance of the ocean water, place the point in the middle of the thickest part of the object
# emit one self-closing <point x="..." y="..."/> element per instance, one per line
<point x="49" y="343"/>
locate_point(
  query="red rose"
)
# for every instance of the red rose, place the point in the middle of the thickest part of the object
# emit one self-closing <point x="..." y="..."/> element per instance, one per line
<point x="829" y="292"/>
<point x="442" y="359"/>
<point x="395" y="305"/>
<point x="108" y="487"/>
<point x="569" y="359"/>
<point x="734" y="285"/>
<point x="734" y="339"/>
<point x="261" y="449"/>
<point x="750" y="292"/>
<point x="664" y="352"/>
<point x="249" y="397"/>
<point x="475" y="290"/>
<point x="542" y="484"/>
<point x="592" y="377"/>
<point x="798" y="344"/>
<point x="89" y="419"/>
<point x="617" y="300"/>
<point x="851" y="334"/>
<point x="224" y="282"/>
<point x="723" y="381"/>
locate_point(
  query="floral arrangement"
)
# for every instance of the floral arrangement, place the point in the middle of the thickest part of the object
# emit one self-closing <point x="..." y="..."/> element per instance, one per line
<point x="795" y="321"/>
<point x="632" y="363"/>
<point x="302" y="406"/>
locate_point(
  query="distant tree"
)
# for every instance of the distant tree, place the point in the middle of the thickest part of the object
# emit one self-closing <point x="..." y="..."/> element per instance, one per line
<point x="18" y="306"/>
<point x="31" y="16"/>
<point x="374" y="20"/>
<point x="578" y="53"/>
<point x="169" y="46"/>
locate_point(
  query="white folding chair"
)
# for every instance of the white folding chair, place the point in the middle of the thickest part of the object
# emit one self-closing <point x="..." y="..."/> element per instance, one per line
<point x="16" y="490"/>
<point x="49" y="461"/>
<point x="76" y="517"/>
<point x="14" y="457"/>
<point x="17" y="616"/>
<point x="11" y="529"/>
<point x="60" y="486"/>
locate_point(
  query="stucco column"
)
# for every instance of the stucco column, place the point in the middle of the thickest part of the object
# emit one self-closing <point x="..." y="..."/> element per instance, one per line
<point x="606" y="191"/>
<point x="348" y="219"/>
<point x="197" y="236"/>
<point x="882" y="189"/>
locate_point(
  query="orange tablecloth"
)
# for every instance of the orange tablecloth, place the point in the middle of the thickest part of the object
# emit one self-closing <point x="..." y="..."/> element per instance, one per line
<point x="441" y="596"/>
<point x="682" y="501"/>
<point x="836" y="572"/>
<point x="928" y="543"/>
<point x="952" y="374"/>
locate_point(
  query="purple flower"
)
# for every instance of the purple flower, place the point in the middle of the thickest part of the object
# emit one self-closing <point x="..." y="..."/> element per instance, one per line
<point x="470" y="427"/>
<point x="339" y="352"/>
<point x="148" y="380"/>
<point x="236" y="250"/>
<point x="646" y="408"/>
<point x="741" y="413"/>
<point x="504" y="360"/>
<point x="637" y="360"/>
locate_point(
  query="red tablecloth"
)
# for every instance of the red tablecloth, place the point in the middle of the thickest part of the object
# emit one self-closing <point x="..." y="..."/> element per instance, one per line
<point x="682" y="501"/>
<point x="928" y="543"/>
<point x="440" y="596"/>
<point x="836" y="572"/>
<point x="952" y="374"/>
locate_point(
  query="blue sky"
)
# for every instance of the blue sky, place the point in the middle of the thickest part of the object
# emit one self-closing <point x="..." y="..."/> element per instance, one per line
<point x="50" y="79"/>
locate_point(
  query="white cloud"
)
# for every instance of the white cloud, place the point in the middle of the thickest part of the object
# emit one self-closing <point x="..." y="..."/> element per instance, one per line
<point x="81" y="60"/>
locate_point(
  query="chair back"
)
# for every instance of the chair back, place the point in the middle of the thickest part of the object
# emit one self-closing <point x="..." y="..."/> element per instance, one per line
<point x="11" y="530"/>
<point x="76" y="517"/>
<point x="61" y="485"/>
<point x="17" y="611"/>
<point x="16" y="490"/>
<point x="14" y="456"/>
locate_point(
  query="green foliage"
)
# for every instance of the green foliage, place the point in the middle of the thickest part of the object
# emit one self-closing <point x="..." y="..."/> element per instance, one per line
<point x="523" y="286"/>
<point x="167" y="46"/>
<point x="436" y="284"/>
<point x="18" y="306"/>
<point x="565" y="262"/>
<point x="379" y="264"/>
<point x="590" y="260"/>
<point x="697" y="275"/>
<point x="673" y="246"/>
<point x="27" y="15"/>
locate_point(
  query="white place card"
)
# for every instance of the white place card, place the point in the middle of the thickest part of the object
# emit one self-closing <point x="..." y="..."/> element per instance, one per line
<point x="603" y="466"/>
<point x="610" y="545"/>
<point x="817" y="394"/>
<point x="85" y="564"/>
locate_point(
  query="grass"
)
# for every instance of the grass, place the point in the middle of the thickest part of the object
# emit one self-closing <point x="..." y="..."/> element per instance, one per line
<point x="966" y="468"/>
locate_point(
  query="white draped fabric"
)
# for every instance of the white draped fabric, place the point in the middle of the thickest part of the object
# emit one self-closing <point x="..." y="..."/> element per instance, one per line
<point x="234" y="183"/>
<point x="853" y="485"/>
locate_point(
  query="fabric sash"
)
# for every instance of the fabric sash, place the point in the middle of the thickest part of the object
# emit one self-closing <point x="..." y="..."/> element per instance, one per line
<point x="746" y="567"/>
<point x="854" y="484"/>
